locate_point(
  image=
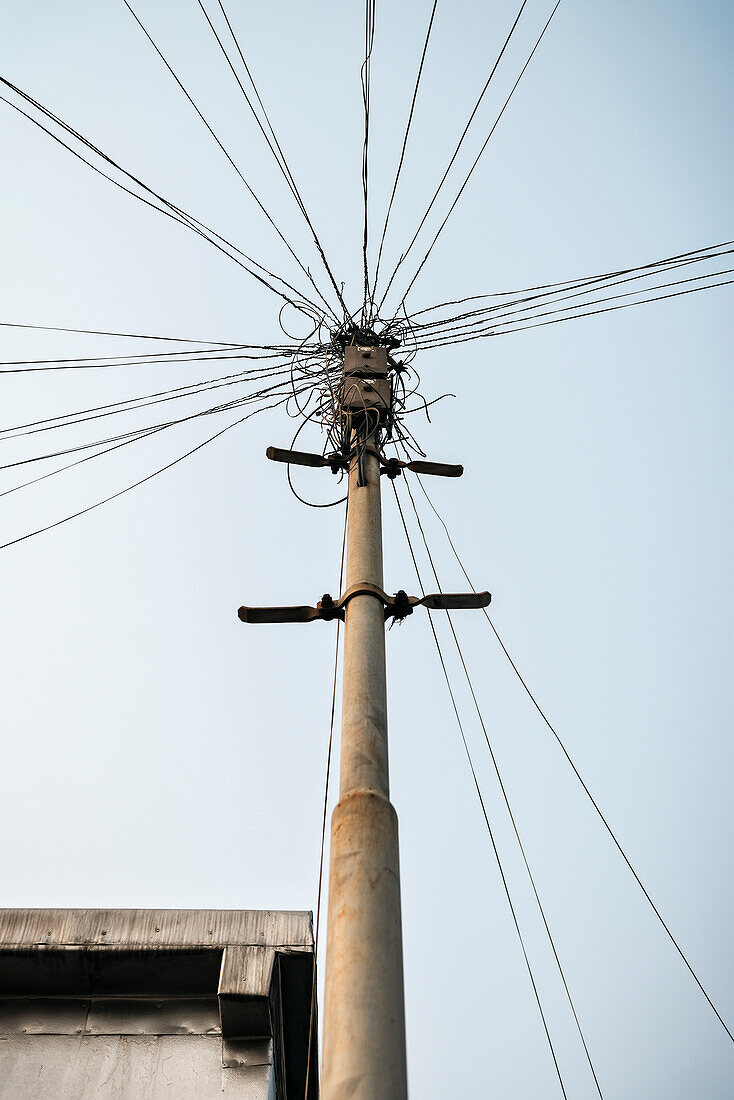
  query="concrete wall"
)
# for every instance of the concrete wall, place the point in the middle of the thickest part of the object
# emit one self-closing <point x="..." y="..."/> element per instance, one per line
<point x="138" y="1004"/>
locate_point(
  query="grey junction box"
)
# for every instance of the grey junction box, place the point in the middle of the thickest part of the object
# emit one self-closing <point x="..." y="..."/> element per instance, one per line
<point x="147" y="1004"/>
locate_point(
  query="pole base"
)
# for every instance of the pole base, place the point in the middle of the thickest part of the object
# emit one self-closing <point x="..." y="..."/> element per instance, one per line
<point x="364" y="1014"/>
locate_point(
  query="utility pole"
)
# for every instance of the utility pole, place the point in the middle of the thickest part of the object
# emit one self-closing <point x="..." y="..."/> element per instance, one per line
<point x="364" y="1010"/>
<point x="364" y="1056"/>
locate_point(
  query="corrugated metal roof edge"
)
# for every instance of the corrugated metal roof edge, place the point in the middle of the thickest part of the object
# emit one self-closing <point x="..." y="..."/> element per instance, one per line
<point x="24" y="928"/>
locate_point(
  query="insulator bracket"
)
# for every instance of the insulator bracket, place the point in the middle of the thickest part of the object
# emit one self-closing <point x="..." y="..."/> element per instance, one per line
<point x="398" y="606"/>
<point x="390" y="466"/>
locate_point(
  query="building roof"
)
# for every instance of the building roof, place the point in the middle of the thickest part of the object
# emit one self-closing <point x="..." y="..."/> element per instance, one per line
<point x="239" y="982"/>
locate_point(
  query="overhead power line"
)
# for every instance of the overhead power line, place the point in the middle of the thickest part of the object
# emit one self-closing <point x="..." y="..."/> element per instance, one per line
<point x="155" y="201"/>
<point x="693" y="256"/>
<point x="514" y="310"/>
<point x="131" y="404"/>
<point x="232" y="162"/>
<point x="149" y="477"/>
<point x="327" y="778"/>
<point x="285" y="384"/>
<point x="537" y="297"/>
<point x="576" y="772"/>
<point x="150" y="359"/>
<point x="274" y="144"/>
<point x="366" y="72"/>
<point x="521" y="326"/>
<point x="493" y="321"/>
<point x="125" y="335"/>
<point x="402" y="151"/>
<point x="456" y="151"/>
<point x="506" y="800"/>
<point x="475" y="779"/>
<point x="480" y="153"/>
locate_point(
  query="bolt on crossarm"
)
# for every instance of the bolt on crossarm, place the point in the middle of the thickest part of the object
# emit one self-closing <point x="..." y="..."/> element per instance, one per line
<point x="364" y="1012"/>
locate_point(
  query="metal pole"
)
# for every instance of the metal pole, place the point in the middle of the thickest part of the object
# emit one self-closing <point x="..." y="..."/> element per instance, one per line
<point x="364" y="1010"/>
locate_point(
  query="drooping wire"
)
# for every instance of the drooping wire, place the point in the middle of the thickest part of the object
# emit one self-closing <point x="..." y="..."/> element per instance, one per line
<point x="576" y="772"/>
<point x="325" y="806"/>
<point x="402" y="152"/>
<point x="505" y="797"/>
<point x="456" y="150"/>
<point x="481" y="151"/>
<point x="481" y="800"/>
<point x="308" y="419"/>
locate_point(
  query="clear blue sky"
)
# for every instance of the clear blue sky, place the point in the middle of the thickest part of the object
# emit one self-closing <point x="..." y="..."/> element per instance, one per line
<point x="158" y="753"/>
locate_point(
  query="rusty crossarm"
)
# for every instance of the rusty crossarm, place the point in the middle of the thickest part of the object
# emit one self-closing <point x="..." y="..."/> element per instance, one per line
<point x="301" y="458"/>
<point x="390" y="466"/>
<point x="302" y="614"/>
<point x="398" y="606"/>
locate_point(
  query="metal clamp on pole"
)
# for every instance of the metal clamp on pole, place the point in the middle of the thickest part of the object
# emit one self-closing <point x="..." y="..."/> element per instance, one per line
<point x="398" y="606"/>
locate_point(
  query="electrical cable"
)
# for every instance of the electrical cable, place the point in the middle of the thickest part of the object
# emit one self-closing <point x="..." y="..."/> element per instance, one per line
<point x="225" y="407"/>
<point x="694" y="256"/>
<point x="144" y="434"/>
<point x="35" y="366"/>
<point x="131" y="404"/>
<point x="125" y="335"/>
<point x="281" y="164"/>
<point x="154" y="358"/>
<point x="506" y="798"/>
<point x="481" y="151"/>
<point x="402" y="151"/>
<point x="291" y="486"/>
<point x="586" y="313"/>
<point x="135" y="484"/>
<point x="456" y="150"/>
<point x="234" y="165"/>
<point x="138" y="358"/>
<point x="481" y="799"/>
<point x="365" y="77"/>
<point x="494" y="318"/>
<point x="325" y="809"/>
<point x="280" y="156"/>
<point x="127" y="438"/>
<point x="531" y="304"/>
<point x="576" y="772"/>
<point x="168" y="209"/>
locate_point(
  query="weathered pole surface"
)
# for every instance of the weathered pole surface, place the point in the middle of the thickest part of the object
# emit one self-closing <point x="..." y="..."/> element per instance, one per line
<point x="364" y="1011"/>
